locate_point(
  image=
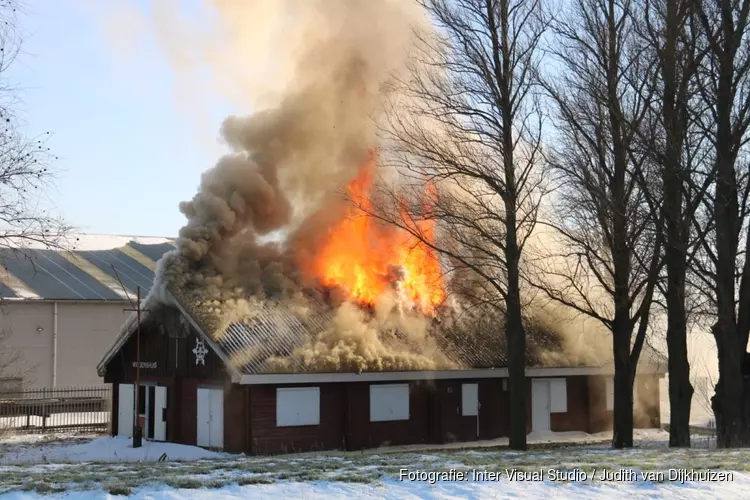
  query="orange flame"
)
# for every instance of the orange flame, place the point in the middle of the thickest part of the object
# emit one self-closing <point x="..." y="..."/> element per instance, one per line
<point x="363" y="256"/>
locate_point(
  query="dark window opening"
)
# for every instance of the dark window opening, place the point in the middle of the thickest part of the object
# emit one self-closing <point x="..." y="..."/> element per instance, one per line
<point x="141" y="400"/>
<point x="150" y="416"/>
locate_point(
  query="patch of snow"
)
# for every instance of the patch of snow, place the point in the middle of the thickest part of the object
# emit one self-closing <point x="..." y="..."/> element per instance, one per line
<point x="22" y="294"/>
<point x="106" y="449"/>
<point x="108" y="242"/>
<point x="418" y="490"/>
<point x="27" y="438"/>
<point x="90" y="242"/>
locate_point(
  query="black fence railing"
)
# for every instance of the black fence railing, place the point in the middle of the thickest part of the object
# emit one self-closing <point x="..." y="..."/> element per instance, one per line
<point x="82" y="409"/>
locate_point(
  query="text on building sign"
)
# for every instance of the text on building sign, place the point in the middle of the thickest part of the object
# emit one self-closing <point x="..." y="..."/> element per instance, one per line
<point x="145" y="364"/>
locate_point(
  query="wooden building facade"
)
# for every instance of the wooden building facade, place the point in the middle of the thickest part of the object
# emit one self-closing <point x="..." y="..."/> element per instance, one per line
<point x="191" y="394"/>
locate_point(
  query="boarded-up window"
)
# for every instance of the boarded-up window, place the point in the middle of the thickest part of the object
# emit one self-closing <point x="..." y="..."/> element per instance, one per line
<point x="297" y="406"/>
<point x="610" y="394"/>
<point x="469" y="400"/>
<point x="389" y="402"/>
<point x="558" y="395"/>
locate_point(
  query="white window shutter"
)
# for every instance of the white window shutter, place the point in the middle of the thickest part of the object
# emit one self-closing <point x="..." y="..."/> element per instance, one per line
<point x="389" y="402"/>
<point x="469" y="400"/>
<point x="558" y="393"/>
<point x="297" y="406"/>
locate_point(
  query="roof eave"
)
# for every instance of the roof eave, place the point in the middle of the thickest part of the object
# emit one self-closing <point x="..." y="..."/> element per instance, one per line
<point x="313" y="378"/>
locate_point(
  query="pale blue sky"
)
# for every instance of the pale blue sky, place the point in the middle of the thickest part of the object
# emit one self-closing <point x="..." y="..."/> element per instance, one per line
<point x="127" y="155"/>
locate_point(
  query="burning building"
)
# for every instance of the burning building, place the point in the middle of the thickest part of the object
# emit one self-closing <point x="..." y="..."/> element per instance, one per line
<point x="338" y="339"/>
<point x="274" y="383"/>
<point x="288" y="318"/>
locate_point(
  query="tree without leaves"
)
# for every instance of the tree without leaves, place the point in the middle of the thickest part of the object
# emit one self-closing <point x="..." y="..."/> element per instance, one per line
<point x="24" y="172"/>
<point x="610" y="258"/>
<point x="465" y="138"/>
<point x="724" y="87"/>
<point x="669" y="30"/>
<point x="24" y="162"/>
<point x="9" y="358"/>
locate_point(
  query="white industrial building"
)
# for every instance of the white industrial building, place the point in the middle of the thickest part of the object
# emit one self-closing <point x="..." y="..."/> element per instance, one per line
<point x="61" y="310"/>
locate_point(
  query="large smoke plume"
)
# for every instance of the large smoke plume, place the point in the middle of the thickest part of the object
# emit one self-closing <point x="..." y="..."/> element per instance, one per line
<point x="314" y="73"/>
<point x="267" y="205"/>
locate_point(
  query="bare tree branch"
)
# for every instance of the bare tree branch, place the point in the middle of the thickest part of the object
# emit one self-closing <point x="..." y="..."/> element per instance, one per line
<point x="464" y="136"/>
<point x="25" y="162"/>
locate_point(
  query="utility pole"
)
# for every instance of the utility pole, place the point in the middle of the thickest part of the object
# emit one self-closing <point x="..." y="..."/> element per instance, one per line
<point x="137" y="430"/>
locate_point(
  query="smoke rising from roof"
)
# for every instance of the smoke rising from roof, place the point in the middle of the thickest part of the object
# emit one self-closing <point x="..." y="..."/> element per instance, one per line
<point x="287" y="165"/>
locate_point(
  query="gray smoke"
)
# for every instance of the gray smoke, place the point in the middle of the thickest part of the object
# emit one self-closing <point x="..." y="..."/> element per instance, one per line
<point x="283" y="176"/>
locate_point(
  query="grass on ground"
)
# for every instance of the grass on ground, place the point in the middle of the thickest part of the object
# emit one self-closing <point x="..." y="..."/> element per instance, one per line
<point x="124" y="478"/>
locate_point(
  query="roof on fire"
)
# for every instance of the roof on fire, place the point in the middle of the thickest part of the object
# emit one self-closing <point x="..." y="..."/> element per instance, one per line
<point x="277" y="332"/>
<point x="90" y="268"/>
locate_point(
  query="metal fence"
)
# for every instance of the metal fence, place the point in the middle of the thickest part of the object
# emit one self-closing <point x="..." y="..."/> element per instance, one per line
<point x="81" y="409"/>
<point x="704" y="437"/>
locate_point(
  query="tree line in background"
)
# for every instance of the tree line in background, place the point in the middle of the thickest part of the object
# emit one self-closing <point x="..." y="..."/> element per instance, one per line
<point x="619" y="127"/>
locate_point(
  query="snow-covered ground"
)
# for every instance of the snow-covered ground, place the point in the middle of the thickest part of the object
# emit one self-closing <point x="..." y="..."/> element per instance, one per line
<point x="410" y="490"/>
<point x="90" y="467"/>
<point x="102" y="449"/>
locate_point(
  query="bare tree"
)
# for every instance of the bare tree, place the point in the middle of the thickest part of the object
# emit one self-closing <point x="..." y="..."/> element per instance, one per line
<point x="611" y="252"/>
<point x="24" y="162"/>
<point x="10" y="359"/>
<point x="24" y="173"/>
<point x="725" y="86"/>
<point x="670" y="31"/>
<point x="464" y="135"/>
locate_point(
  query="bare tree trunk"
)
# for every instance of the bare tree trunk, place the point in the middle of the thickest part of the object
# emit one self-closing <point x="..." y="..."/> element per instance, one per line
<point x="480" y="155"/>
<point x="726" y="210"/>
<point x="622" y="425"/>
<point x="516" y="338"/>
<point x="680" y="388"/>
<point x="724" y="87"/>
<point x="607" y="216"/>
<point x="674" y="104"/>
<point x="622" y="330"/>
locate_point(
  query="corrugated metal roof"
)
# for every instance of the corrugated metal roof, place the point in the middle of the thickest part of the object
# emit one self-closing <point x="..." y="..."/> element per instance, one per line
<point x="277" y="331"/>
<point x="80" y="274"/>
<point x="153" y="252"/>
<point x="131" y="272"/>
